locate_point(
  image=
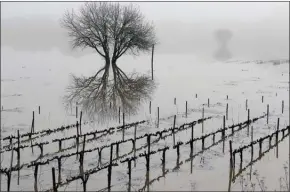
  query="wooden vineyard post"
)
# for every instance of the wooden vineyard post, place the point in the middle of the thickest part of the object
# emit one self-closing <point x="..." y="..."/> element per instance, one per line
<point x="282" y="106"/>
<point x="82" y="158"/>
<point x="110" y="169"/>
<point x="123" y="131"/>
<point x="77" y="139"/>
<point x="241" y="159"/>
<point x="152" y="60"/>
<point x="18" y="156"/>
<point x="227" y="97"/>
<point x="11" y="164"/>
<point x="173" y="128"/>
<point x="202" y="142"/>
<point x="150" y="107"/>
<point x="53" y="180"/>
<point x="59" y="169"/>
<point x="246" y="104"/>
<point x="33" y="122"/>
<point x="81" y="122"/>
<point x="32" y="130"/>
<point x="174" y="101"/>
<point x="260" y="147"/>
<point x="163" y="160"/>
<point x="135" y="132"/>
<point x="227" y="111"/>
<point x="174" y="121"/>
<point x="202" y="125"/>
<point x="223" y="133"/>
<point x="208" y="102"/>
<point x="231" y="166"/>
<point x="192" y="133"/>
<point x="157" y="117"/>
<point x="129" y="174"/>
<point x="277" y="134"/>
<point x="149" y="149"/>
<point x="119" y="115"/>
<point x="35" y="177"/>
<point x="248" y="130"/>
<point x="186" y="109"/>
<point x="252" y="137"/>
<point x="76" y="109"/>
<point x="267" y="113"/>
<point x="196" y="95"/>
<point x="38" y="109"/>
<point x="262" y="98"/>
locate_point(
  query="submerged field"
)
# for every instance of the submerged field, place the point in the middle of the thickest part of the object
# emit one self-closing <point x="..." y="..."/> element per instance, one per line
<point x="29" y="80"/>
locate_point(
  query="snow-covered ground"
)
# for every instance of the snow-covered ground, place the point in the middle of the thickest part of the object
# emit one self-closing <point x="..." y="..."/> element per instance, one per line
<point x="29" y="80"/>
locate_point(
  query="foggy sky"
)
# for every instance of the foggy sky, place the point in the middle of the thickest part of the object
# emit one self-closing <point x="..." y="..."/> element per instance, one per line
<point x="260" y="30"/>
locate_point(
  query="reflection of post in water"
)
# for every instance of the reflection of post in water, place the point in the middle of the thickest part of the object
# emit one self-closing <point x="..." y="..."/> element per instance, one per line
<point x="129" y="174"/>
<point x="177" y="146"/>
<point x="147" y="156"/>
<point x="231" y="166"/>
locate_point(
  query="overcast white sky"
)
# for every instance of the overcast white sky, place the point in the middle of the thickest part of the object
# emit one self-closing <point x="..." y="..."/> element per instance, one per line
<point x="183" y="11"/>
<point x="260" y="29"/>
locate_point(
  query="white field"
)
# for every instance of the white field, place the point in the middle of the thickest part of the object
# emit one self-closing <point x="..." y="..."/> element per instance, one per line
<point x="29" y="80"/>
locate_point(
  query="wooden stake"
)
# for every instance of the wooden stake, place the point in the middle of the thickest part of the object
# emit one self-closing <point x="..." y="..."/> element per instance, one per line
<point x="252" y="136"/>
<point x="59" y="169"/>
<point x="77" y="110"/>
<point x="135" y="132"/>
<point x="53" y="180"/>
<point x="186" y="109"/>
<point x="246" y="104"/>
<point x="129" y="174"/>
<point x="227" y="111"/>
<point x="196" y="95"/>
<point x="267" y="113"/>
<point x="223" y="133"/>
<point x="202" y="126"/>
<point x="208" y="102"/>
<point x="157" y="117"/>
<point x="227" y="97"/>
<point x="241" y="159"/>
<point x="18" y="156"/>
<point x="192" y="133"/>
<point x="119" y="115"/>
<point x="260" y="147"/>
<point x="152" y="60"/>
<point x="123" y="131"/>
<point x="173" y="136"/>
<point x="77" y="139"/>
<point x="35" y="177"/>
<point x="110" y="169"/>
<point x="174" y="121"/>
<point x="150" y="108"/>
<point x="174" y="101"/>
<point x="282" y="106"/>
<point x="262" y="99"/>
<point x="248" y="130"/>
<point x="231" y="166"/>
<point x="81" y="122"/>
<point x="277" y="134"/>
<point x="38" y="109"/>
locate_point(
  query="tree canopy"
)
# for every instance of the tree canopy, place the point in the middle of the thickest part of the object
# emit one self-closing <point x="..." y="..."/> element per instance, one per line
<point x="109" y="28"/>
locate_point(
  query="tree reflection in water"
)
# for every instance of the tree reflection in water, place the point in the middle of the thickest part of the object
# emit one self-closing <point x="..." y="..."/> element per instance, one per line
<point x="101" y="95"/>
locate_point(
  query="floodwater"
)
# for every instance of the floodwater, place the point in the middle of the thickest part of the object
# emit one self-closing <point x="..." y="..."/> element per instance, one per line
<point x="29" y="80"/>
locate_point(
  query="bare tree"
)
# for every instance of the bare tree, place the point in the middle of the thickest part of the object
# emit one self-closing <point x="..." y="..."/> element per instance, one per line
<point x="110" y="29"/>
<point x="113" y="31"/>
